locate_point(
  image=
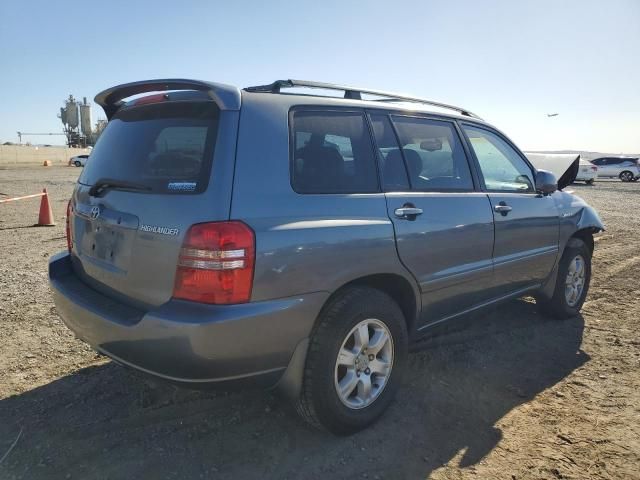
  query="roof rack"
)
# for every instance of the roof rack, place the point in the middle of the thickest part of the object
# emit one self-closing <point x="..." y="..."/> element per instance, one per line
<point x="354" y="93"/>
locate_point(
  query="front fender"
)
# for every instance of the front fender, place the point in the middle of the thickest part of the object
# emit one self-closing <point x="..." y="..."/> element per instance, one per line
<point x="575" y="215"/>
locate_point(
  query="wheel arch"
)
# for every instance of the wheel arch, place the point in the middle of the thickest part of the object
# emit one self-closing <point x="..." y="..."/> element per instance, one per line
<point x="623" y="172"/>
<point x="399" y="288"/>
<point x="584" y="234"/>
<point x="394" y="285"/>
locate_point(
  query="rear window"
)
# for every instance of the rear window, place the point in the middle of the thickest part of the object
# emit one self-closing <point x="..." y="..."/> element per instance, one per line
<point x="332" y="153"/>
<point x="166" y="146"/>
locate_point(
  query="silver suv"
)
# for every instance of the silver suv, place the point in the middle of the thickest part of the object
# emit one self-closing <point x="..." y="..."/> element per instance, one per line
<point x="283" y="238"/>
<point x="625" y="168"/>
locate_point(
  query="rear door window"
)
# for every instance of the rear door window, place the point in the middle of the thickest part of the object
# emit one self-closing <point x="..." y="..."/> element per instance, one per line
<point x="433" y="155"/>
<point x="332" y="153"/>
<point x="167" y="147"/>
<point x="394" y="172"/>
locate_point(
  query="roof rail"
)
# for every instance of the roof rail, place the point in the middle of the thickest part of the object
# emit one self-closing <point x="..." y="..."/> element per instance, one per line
<point x="355" y="93"/>
<point x="227" y="98"/>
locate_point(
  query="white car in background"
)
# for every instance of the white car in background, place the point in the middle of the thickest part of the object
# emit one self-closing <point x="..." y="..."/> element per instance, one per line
<point x="79" y="160"/>
<point x="587" y="172"/>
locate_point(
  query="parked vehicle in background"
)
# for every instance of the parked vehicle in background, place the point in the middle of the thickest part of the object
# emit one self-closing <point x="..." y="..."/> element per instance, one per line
<point x="221" y="236"/>
<point x="587" y="172"/>
<point x="79" y="160"/>
<point x="626" y="169"/>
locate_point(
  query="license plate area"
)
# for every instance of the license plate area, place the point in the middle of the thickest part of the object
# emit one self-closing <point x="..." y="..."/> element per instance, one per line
<point x="106" y="236"/>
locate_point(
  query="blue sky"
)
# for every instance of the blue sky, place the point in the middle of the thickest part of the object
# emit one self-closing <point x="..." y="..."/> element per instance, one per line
<point x="512" y="62"/>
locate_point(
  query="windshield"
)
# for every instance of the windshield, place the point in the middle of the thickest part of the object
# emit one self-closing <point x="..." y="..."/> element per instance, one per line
<point x="167" y="147"/>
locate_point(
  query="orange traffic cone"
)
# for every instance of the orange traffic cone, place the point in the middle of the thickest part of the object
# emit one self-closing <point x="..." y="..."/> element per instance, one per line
<point x="45" y="217"/>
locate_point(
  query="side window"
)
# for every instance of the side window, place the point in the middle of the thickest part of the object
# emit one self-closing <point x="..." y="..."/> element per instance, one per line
<point x="501" y="166"/>
<point x="433" y="155"/>
<point x="394" y="173"/>
<point x="332" y="153"/>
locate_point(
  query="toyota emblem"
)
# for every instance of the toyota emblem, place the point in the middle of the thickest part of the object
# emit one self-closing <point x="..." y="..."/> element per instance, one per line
<point x="95" y="212"/>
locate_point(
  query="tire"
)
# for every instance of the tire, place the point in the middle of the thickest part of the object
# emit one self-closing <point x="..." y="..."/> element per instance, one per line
<point x="319" y="403"/>
<point x="626" y="176"/>
<point x="566" y="302"/>
<point x="590" y="182"/>
<point x="77" y="163"/>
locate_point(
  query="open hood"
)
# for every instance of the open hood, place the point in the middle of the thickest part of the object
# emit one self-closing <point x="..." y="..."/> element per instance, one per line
<point x="564" y="166"/>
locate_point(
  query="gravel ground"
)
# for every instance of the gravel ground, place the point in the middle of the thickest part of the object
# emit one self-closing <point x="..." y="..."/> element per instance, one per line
<point x="508" y="394"/>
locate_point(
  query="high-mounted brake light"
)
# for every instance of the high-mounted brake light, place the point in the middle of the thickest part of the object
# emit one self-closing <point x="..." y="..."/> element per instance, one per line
<point x="68" y="226"/>
<point x="216" y="263"/>
<point x="160" y="97"/>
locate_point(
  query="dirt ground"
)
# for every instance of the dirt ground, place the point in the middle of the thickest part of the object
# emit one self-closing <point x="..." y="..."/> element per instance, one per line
<point x="509" y="394"/>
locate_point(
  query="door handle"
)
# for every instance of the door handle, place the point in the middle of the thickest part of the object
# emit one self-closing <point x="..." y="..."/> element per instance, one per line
<point x="407" y="212"/>
<point x="502" y="208"/>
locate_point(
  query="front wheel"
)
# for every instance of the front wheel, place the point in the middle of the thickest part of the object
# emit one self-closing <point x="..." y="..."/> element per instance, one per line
<point x="572" y="282"/>
<point x="355" y="361"/>
<point x="590" y="182"/>
<point x="77" y="163"/>
<point x="626" y="176"/>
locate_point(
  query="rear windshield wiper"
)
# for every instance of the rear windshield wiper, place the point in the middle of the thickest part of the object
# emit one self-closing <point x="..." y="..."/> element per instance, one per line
<point x="104" y="184"/>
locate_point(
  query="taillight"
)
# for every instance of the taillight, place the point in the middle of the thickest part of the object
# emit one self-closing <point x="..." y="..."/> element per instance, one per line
<point x="216" y="263"/>
<point x="594" y="168"/>
<point x="68" y="226"/>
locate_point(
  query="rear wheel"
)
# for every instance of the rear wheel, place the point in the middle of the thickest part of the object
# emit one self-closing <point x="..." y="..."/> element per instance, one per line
<point x="572" y="283"/>
<point x="77" y="163"/>
<point x="356" y="358"/>
<point x="590" y="182"/>
<point x="626" y="176"/>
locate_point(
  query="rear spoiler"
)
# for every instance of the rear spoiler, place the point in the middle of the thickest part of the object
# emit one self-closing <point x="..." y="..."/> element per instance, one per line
<point x="227" y="97"/>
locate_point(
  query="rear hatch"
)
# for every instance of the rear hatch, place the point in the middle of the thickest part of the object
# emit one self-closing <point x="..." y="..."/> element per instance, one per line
<point x="162" y="164"/>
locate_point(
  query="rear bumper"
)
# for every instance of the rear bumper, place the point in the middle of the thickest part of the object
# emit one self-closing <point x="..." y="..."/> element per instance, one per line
<point x="186" y="342"/>
<point x="583" y="176"/>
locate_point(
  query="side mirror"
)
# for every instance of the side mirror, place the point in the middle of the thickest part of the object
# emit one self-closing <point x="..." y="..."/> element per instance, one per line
<point x="546" y="182"/>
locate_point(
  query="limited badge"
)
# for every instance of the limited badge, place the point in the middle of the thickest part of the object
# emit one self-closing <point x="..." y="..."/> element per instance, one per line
<point x="182" y="186"/>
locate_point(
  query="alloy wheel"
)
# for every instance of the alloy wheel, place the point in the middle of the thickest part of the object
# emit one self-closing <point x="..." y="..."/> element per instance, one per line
<point x="364" y="364"/>
<point x="574" y="283"/>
